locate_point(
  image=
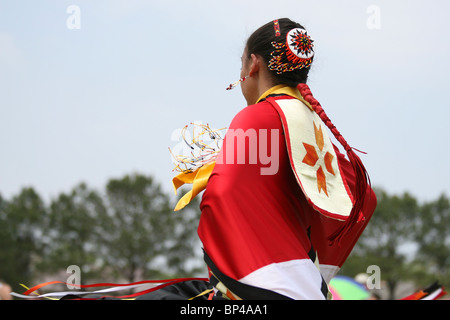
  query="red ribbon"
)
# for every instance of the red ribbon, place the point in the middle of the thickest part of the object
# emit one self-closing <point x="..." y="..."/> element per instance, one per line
<point x="165" y="283"/>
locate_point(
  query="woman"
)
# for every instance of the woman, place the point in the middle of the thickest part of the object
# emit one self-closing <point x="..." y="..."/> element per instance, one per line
<point x="282" y="233"/>
<point x="283" y="207"/>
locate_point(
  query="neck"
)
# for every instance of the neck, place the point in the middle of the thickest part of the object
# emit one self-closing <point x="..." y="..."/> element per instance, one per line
<point x="275" y="89"/>
<point x="262" y="85"/>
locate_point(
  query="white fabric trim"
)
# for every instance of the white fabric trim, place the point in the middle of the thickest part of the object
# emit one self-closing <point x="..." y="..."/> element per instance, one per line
<point x="300" y="125"/>
<point x="328" y="271"/>
<point x="432" y="295"/>
<point x="297" y="279"/>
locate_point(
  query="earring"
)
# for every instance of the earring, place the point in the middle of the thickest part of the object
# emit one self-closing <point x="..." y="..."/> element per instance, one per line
<point x="235" y="84"/>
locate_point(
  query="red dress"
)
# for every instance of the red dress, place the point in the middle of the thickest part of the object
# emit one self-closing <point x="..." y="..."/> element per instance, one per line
<point x="260" y="234"/>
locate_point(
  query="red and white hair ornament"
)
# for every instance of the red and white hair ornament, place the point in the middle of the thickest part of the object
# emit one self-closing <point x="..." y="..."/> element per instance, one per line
<point x="295" y="53"/>
<point x="276" y="26"/>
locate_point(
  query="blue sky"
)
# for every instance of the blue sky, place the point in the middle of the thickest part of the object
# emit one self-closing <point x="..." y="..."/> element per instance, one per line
<point x="105" y="100"/>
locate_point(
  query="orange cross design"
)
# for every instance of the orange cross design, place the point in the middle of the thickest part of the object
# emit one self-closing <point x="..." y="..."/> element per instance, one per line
<point x="312" y="157"/>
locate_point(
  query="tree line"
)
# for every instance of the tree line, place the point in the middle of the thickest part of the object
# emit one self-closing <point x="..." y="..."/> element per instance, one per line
<point x="126" y="233"/>
<point x="129" y="232"/>
<point x="407" y="240"/>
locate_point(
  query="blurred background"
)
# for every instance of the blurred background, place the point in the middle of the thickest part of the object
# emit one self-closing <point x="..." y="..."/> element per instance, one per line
<point x="93" y="93"/>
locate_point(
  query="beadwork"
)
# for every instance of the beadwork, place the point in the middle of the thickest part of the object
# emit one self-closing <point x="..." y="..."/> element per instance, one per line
<point x="276" y="26"/>
<point x="295" y="53"/>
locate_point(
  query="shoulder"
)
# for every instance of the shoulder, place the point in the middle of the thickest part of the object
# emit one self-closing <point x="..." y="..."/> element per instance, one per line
<point x="257" y="116"/>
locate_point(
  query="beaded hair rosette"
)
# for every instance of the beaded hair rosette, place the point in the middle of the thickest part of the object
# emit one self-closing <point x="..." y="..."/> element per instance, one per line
<point x="294" y="53"/>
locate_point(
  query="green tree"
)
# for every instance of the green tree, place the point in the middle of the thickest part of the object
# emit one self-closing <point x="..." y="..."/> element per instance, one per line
<point x="146" y="235"/>
<point x="75" y="233"/>
<point x="433" y="239"/>
<point x="391" y="227"/>
<point x="23" y="225"/>
<point x="6" y="245"/>
<point x="185" y="255"/>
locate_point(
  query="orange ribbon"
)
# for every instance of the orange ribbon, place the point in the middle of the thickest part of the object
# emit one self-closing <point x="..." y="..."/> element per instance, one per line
<point x="198" y="179"/>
